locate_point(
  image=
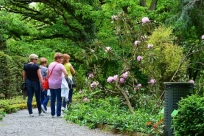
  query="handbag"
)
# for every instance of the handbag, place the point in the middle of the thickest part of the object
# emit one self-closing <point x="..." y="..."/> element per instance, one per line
<point x="45" y="84"/>
<point x="24" y="90"/>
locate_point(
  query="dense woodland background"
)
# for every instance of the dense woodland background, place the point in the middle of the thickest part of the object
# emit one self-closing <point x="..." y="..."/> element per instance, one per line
<point x="84" y="29"/>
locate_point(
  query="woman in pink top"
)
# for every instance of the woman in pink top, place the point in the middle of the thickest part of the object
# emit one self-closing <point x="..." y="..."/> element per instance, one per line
<point x="55" y="81"/>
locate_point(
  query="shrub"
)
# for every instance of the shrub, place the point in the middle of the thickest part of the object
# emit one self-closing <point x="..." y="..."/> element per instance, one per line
<point x="190" y="118"/>
<point x="8" y="73"/>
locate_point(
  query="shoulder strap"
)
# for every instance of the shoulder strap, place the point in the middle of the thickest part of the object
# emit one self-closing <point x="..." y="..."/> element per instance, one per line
<point x="52" y="70"/>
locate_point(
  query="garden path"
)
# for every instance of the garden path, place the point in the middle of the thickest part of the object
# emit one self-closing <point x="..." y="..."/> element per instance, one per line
<point x="20" y="124"/>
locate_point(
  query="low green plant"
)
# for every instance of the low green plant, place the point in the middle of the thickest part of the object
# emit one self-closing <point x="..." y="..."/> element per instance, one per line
<point x="190" y="118"/>
<point x="112" y="112"/>
<point x="2" y="114"/>
<point x="14" y="104"/>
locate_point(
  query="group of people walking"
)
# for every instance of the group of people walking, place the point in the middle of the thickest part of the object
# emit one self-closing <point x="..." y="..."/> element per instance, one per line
<point x="34" y="75"/>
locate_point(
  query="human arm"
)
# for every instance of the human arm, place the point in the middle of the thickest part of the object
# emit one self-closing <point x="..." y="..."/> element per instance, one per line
<point x="24" y="75"/>
<point x="72" y="70"/>
<point x="65" y="72"/>
<point x="40" y="76"/>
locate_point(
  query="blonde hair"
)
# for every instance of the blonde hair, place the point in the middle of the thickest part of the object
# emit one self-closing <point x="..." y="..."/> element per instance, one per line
<point x="58" y="55"/>
<point x="33" y="56"/>
<point x="66" y="58"/>
<point x="43" y="61"/>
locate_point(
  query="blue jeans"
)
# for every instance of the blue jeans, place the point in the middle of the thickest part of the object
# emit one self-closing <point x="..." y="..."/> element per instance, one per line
<point x="64" y="103"/>
<point x="44" y="98"/>
<point x="56" y="93"/>
<point x="33" y="88"/>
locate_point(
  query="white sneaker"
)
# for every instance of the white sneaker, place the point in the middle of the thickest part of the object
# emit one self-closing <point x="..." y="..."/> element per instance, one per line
<point x="31" y="115"/>
<point x="62" y="108"/>
<point x="43" y="109"/>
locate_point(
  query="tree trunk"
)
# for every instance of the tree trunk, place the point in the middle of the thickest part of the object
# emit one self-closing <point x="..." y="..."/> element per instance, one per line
<point x="143" y="3"/>
<point x="153" y="5"/>
<point x="127" y="99"/>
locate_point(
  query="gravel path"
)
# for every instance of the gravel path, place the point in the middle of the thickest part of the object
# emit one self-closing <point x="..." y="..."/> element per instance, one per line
<point x="20" y="124"/>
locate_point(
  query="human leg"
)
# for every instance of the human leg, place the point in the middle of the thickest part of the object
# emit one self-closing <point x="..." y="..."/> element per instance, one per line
<point x="37" y="90"/>
<point x="52" y="102"/>
<point x="70" y="95"/>
<point x="59" y="101"/>
<point x="46" y="99"/>
<point x="30" y="95"/>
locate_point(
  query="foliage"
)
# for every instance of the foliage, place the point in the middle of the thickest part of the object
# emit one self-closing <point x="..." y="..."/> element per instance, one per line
<point x="14" y="104"/>
<point x="97" y="111"/>
<point x="8" y="74"/>
<point x="2" y="114"/>
<point x="189" y="120"/>
<point x="164" y="59"/>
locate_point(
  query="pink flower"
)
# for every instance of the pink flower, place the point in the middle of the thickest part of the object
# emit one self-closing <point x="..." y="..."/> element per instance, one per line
<point x="122" y="80"/>
<point x="115" y="77"/>
<point x="86" y="99"/>
<point x="202" y="37"/>
<point x="136" y="43"/>
<point x="125" y="75"/>
<point x="107" y="49"/>
<point x="149" y="46"/>
<point x="80" y="92"/>
<point x="114" y="17"/>
<point x="191" y="81"/>
<point x="139" y="85"/>
<point x="139" y="58"/>
<point x="94" y="84"/>
<point x="110" y="79"/>
<point x="145" y="20"/>
<point x="91" y="75"/>
<point x="152" y="81"/>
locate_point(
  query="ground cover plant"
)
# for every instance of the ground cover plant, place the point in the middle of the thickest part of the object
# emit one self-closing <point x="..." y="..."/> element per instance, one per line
<point x="14" y="104"/>
<point x="111" y="111"/>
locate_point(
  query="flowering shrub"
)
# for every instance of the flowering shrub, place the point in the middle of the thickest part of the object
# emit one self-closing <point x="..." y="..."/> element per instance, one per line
<point x="137" y="44"/>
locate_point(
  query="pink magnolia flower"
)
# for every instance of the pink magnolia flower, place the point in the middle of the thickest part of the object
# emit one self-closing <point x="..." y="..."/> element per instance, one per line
<point x="145" y="20"/>
<point x="86" y="99"/>
<point x="91" y="75"/>
<point x="202" y="37"/>
<point x="107" y="49"/>
<point x="191" y="81"/>
<point x="122" y="80"/>
<point x="125" y="75"/>
<point x="80" y="91"/>
<point x="136" y="43"/>
<point x="149" y="46"/>
<point x="139" y="58"/>
<point x="94" y="84"/>
<point x="139" y="85"/>
<point x="115" y="77"/>
<point x="110" y="79"/>
<point x="114" y="17"/>
<point x="152" y="81"/>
